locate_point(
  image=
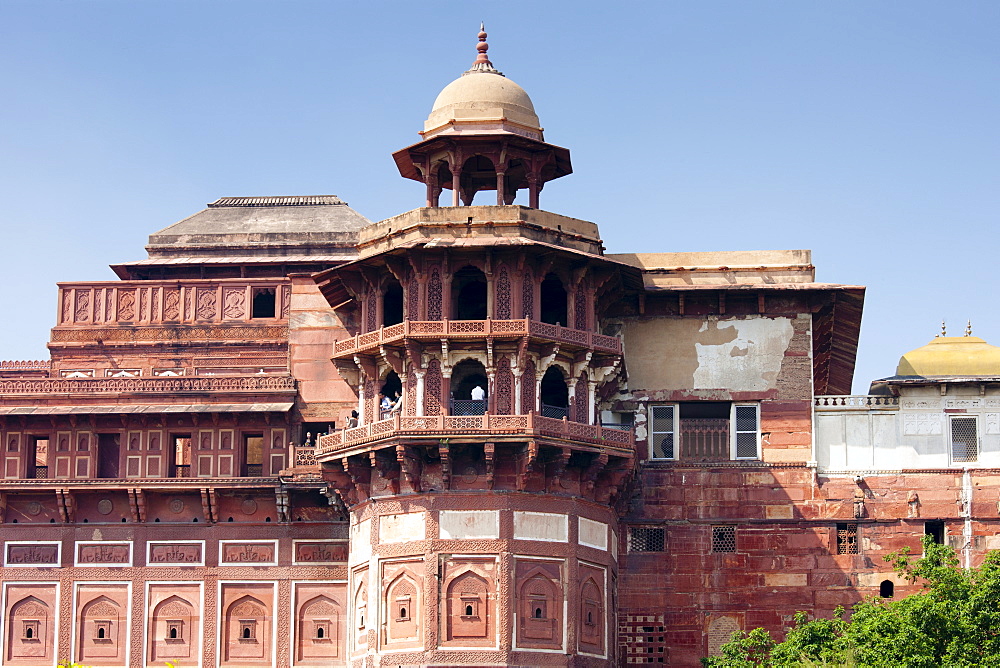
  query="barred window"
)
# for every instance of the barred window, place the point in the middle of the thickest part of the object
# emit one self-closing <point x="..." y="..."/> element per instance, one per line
<point x="724" y="538"/>
<point x="646" y="539"/>
<point x="847" y="539"/>
<point x="663" y="431"/>
<point x="964" y="439"/>
<point x="746" y="434"/>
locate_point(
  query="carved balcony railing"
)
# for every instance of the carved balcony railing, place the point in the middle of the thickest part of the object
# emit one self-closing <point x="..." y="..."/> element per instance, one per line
<point x="475" y="329"/>
<point x="25" y="365"/>
<point x="131" y="303"/>
<point x="855" y="402"/>
<point x="254" y="383"/>
<point x="449" y="426"/>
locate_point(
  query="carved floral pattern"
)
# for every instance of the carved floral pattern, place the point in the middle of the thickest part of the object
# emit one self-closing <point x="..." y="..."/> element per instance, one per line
<point x="527" y="294"/>
<point x="505" y="387"/>
<point x="503" y="308"/>
<point x="206" y="304"/>
<point x="172" y="305"/>
<point x="528" y="387"/>
<point x="234" y="303"/>
<point x="432" y="388"/>
<point x="126" y="305"/>
<point x="82" y="305"/>
<point x="434" y="295"/>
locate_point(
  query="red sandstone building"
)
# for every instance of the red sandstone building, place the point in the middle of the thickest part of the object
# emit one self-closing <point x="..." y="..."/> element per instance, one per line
<point x="595" y="459"/>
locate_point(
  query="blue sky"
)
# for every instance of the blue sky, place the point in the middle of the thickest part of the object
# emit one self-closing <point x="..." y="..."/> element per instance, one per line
<point x="865" y="131"/>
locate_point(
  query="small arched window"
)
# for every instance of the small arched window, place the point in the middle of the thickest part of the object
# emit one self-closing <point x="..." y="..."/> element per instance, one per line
<point x="29" y="633"/>
<point x="100" y="632"/>
<point x="886" y="589"/>
<point x="468" y="611"/>
<point x="319" y="632"/>
<point x="538" y="613"/>
<point x="246" y="631"/>
<point x="173" y="632"/>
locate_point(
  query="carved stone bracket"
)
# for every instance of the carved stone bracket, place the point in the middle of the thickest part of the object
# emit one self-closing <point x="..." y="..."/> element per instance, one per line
<point x="409" y="465"/>
<point x="559" y="468"/>
<point x="208" y="504"/>
<point x="137" y="504"/>
<point x="593" y="470"/>
<point x="387" y="467"/>
<point x="282" y="503"/>
<point x="444" y="451"/>
<point x="489" y="449"/>
<point x="67" y="505"/>
<point x="526" y="465"/>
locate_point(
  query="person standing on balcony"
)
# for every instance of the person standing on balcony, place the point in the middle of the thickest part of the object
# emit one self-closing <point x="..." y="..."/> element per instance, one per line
<point x="397" y="403"/>
<point x="353" y="420"/>
<point x="478" y="393"/>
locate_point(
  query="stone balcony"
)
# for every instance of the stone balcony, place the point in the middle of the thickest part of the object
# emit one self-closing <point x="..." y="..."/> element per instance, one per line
<point x="414" y="429"/>
<point x="475" y="330"/>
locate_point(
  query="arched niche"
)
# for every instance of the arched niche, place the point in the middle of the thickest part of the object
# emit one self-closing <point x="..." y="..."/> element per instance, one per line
<point x="468" y="294"/>
<point x="591" y="622"/>
<point x="466" y="376"/>
<point x="540" y="610"/>
<point x="554" y="309"/>
<point x="318" y="634"/>
<point x="401" y="607"/>
<point x="173" y="632"/>
<point x="247" y="631"/>
<point x="99" y="631"/>
<point x="469" y="612"/>
<point x="554" y="393"/>
<point x="361" y="614"/>
<point x="28" y="630"/>
<point x="392" y="303"/>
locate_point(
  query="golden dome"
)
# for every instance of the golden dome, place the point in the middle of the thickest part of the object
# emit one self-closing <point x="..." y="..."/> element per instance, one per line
<point x="951" y="356"/>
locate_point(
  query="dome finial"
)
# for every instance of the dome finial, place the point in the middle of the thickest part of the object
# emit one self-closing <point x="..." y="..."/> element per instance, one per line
<point x="968" y="328"/>
<point x="944" y="330"/>
<point x="482" y="62"/>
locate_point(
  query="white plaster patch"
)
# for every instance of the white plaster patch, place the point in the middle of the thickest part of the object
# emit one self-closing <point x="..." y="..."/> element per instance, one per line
<point x="541" y="526"/>
<point x="751" y="361"/>
<point x="456" y="524"/>
<point x="401" y="528"/>
<point x="361" y="542"/>
<point x="593" y="534"/>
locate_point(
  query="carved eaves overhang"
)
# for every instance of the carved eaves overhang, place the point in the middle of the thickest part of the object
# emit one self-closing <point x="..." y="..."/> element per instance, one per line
<point x="343" y="286"/>
<point x="836" y="311"/>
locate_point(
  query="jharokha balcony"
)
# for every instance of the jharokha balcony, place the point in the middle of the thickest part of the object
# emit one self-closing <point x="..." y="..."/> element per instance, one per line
<point x="475" y="330"/>
<point x="415" y="429"/>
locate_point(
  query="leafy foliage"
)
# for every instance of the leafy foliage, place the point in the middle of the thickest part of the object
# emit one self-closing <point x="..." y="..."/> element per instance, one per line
<point x="955" y="621"/>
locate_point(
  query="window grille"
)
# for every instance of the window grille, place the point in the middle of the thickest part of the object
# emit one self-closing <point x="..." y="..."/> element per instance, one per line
<point x="663" y="432"/>
<point x="746" y="431"/>
<point x="964" y="439"/>
<point x="646" y="539"/>
<point x="724" y="538"/>
<point x="847" y="539"/>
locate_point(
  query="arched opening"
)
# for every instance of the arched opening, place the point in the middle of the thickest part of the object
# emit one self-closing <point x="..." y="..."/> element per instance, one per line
<point x="555" y="394"/>
<point x="392" y="303"/>
<point x="390" y="395"/>
<point x="553" y="301"/>
<point x="468" y="294"/>
<point x="886" y="589"/>
<point x="100" y="632"/>
<point x="478" y="173"/>
<point x="468" y="611"/>
<point x="319" y="632"/>
<point x="29" y="633"/>
<point x="468" y="388"/>
<point x="538" y="613"/>
<point x="515" y="177"/>
<point x="402" y="613"/>
<point x="173" y="633"/>
<point x="246" y="631"/>
<point x="590" y="617"/>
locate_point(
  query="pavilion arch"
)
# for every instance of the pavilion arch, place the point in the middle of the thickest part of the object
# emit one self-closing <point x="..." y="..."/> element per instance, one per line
<point x="392" y="302"/>
<point x="99" y="628"/>
<point x="245" y="619"/>
<point x="555" y="393"/>
<point x="554" y="301"/>
<point x="465" y="376"/>
<point x="389" y="385"/>
<point x="173" y="629"/>
<point x="469" y="294"/>
<point x="478" y="173"/>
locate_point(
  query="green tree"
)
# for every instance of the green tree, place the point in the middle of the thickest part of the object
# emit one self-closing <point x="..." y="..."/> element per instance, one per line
<point x="954" y="622"/>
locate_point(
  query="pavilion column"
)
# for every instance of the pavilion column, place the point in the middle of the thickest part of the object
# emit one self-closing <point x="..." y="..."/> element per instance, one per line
<point x="533" y="190"/>
<point x="500" y="188"/>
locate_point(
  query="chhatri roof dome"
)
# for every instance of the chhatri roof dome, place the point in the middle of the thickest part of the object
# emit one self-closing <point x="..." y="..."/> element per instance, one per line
<point x="952" y="356"/>
<point x="483" y="99"/>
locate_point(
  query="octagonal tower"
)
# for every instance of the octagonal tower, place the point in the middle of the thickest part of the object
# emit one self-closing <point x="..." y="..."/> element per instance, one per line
<point x="484" y="502"/>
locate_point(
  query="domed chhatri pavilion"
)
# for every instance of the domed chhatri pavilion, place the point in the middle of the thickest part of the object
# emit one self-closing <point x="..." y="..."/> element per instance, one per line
<point x="465" y="435"/>
<point x="952" y="357"/>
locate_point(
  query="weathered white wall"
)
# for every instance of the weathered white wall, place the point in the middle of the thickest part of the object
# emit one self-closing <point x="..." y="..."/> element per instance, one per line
<point x="915" y="436"/>
<point x="741" y="354"/>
